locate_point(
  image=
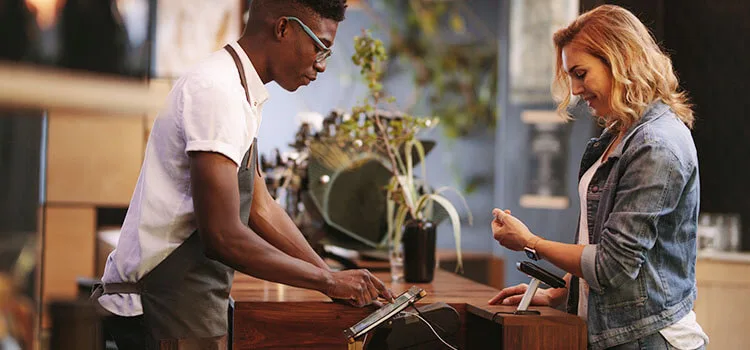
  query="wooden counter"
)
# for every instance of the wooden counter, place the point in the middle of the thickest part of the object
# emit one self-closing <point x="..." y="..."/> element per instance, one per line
<point x="553" y="329"/>
<point x="271" y="315"/>
<point x="721" y="308"/>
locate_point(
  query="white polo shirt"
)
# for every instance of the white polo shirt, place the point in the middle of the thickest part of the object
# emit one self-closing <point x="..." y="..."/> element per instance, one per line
<point x="205" y="111"/>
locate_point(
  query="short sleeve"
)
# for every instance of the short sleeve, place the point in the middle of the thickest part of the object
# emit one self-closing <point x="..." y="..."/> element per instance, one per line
<point x="212" y="119"/>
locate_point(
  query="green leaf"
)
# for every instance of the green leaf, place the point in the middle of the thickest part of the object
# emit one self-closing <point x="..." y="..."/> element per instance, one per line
<point x="455" y="221"/>
<point x="463" y="201"/>
<point x="390" y="212"/>
<point x="398" y="224"/>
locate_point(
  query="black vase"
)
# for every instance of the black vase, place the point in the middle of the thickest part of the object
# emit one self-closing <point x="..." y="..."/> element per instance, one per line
<point x="419" y="251"/>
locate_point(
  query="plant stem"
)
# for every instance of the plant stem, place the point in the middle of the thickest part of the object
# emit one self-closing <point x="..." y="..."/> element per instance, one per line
<point x="389" y="151"/>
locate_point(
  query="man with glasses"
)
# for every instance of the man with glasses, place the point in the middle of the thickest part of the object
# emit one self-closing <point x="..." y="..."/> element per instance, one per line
<point x="182" y="238"/>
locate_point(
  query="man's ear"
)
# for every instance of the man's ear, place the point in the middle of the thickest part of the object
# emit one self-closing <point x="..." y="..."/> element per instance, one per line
<point x="280" y="28"/>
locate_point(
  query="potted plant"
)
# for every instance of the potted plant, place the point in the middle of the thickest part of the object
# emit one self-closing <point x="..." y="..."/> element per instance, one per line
<point x="411" y="225"/>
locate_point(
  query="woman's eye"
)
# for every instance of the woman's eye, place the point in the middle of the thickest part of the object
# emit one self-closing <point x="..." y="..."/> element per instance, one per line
<point x="580" y="74"/>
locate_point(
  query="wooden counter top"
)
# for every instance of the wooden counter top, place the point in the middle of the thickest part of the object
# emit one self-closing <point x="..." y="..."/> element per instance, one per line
<point x="271" y="315"/>
<point x="447" y="287"/>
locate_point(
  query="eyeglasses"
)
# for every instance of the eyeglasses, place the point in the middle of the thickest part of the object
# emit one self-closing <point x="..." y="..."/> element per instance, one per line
<point x="324" y="52"/>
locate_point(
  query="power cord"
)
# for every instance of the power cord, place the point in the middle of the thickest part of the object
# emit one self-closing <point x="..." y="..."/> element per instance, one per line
<point x="419" y="315"/>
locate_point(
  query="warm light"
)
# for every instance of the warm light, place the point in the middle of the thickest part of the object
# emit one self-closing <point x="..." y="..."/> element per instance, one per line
<point x="46" y="11"/>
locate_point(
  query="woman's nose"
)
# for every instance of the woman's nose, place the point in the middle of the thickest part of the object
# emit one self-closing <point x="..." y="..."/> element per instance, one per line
<point x="576" y="87"/>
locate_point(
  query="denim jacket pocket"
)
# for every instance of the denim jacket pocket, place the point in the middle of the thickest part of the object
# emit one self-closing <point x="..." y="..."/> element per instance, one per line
<point x="630" y="294"/>
<point x="624" y="306"/>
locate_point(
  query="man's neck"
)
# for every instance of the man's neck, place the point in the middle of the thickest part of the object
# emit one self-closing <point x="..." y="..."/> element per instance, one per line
<point x="258" y="56"/>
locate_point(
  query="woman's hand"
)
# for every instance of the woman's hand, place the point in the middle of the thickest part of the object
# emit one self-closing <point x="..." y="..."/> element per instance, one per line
<point x="543" y="297"/>
<point x="510" y="232"/>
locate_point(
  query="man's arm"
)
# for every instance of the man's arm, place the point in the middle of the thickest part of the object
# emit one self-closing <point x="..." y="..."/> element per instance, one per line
<point x="269" y="220"/>
<point x="228" y="240"/>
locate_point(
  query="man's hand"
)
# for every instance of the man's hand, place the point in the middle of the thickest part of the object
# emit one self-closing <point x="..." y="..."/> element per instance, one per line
<point x="510" y="232"/>
<point x="542" y="297"/>
<point x="358" y="287"/>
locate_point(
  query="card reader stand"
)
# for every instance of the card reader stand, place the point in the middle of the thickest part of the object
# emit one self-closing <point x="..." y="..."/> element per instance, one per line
<point x="523" y="306"/>
<point x="537" y="275"/>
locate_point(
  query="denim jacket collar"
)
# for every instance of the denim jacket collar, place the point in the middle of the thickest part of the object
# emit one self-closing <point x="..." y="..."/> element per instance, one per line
<point x="653" y="111"/>
<point x="597" y="146"/>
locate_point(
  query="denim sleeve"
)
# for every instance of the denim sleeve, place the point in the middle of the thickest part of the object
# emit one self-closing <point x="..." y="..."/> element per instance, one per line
<point x="647" y="190"/>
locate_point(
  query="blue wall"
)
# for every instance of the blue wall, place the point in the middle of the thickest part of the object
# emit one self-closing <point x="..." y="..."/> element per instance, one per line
<point x="512" y="156"/>
<point x="449" y="164"/>
<point x="502" y="154"/>
<point x="338" y="87"/>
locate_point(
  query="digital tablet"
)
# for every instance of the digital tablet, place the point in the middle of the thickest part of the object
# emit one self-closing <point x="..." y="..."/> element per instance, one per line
<point x="384" y="313"/>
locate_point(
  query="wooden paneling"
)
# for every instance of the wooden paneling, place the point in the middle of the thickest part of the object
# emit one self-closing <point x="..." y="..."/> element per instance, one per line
<point x="93" y="159"/>
<point x="553" y="329"/>
<point x="721" y="306"/>
<point x="68" y="250"/>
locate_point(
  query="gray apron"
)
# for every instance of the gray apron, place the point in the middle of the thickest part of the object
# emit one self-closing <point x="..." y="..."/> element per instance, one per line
<point x="186" y="296"/>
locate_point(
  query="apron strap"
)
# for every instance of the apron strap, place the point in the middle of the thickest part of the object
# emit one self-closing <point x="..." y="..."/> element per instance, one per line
<point x="240" y="69"/>
<point x="122" y="287"/>
<point x="247" y="157"/>
<point x="243" y="81"/>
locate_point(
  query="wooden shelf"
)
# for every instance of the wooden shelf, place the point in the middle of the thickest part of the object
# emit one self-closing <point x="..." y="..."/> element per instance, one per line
<point x="29" y="86"/>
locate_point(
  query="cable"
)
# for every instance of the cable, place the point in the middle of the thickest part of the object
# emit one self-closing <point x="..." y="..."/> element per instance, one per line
<point x="433" y="331"/>
<point x="418" y="314"/>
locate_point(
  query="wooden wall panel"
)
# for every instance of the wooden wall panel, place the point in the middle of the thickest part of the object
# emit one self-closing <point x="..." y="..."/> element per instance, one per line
<point x="721" y="306"/>
<point x="69" y="245"/>
<point x="93" y="159"/>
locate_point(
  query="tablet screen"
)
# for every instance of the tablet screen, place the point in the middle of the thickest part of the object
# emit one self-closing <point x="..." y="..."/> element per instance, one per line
<point x="385" y="312"/>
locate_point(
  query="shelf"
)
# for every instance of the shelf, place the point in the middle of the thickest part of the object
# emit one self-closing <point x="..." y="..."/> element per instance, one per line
<point x="29" y="86"/>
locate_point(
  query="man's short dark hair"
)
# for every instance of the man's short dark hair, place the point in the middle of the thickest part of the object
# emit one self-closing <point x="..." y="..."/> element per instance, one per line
<point x="331" y="9"/>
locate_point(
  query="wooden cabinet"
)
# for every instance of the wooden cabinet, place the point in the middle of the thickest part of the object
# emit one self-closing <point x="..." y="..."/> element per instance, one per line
<point x="68" y="248"/>
<point x="721" y="307"/>
<point x="68" y="251"/>
<point x="93" y="159"/>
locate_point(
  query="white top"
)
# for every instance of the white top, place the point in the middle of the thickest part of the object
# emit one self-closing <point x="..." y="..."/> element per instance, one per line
<point x="205" y="111"/>
<point x="685" y="334"/>
<point x="583" y="235"/>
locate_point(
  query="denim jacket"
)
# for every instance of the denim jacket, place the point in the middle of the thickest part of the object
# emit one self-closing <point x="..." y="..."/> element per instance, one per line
<point x="642" y="211"/>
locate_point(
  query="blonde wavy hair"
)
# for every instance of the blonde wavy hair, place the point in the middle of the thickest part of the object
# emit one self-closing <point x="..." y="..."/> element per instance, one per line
<point x="641" y="71"/>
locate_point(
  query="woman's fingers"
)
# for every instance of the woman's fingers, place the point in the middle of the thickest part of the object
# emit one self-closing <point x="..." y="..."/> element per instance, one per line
<point x="496" y="299"/>
<point x="508" y="292"/>
<point x="514" y="300"/>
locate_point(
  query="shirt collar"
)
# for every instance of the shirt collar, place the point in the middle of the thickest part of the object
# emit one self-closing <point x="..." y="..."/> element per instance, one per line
<point x="258" y="92"/>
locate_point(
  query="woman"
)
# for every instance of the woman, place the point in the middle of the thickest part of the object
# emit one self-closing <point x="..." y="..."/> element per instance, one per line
<point x="632" y="271"/>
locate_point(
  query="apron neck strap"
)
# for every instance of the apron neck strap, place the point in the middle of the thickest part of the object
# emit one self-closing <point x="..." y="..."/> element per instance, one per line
<point x="240" y="69"/>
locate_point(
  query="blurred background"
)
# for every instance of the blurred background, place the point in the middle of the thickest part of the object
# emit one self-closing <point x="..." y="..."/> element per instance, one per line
<point x="81" y="82"/>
